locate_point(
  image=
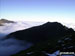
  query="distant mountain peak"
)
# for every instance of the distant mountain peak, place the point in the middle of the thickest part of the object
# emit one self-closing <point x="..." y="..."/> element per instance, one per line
<point x="2" y="21"/>
<point x="6" y="21"/>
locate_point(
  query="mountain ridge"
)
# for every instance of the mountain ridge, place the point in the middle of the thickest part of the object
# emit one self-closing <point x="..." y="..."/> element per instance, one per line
<point x="41" y="31"/>
<point x="45" y="37"/>
<point x="48" y="37"/>
<point x="2" y="21"/>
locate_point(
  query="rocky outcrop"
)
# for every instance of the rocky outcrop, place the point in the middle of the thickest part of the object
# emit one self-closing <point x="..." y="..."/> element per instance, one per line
<point x="49" y="37"/>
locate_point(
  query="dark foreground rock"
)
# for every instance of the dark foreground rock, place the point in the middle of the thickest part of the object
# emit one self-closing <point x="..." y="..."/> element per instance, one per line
<point x="52" y="31"/>
<point x="48" y="38"/>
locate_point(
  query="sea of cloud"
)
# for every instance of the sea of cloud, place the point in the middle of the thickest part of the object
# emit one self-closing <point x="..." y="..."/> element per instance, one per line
<point x="11" y="46"/>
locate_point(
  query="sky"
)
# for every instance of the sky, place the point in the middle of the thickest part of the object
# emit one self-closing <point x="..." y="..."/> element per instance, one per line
<point x="38" y="10"/>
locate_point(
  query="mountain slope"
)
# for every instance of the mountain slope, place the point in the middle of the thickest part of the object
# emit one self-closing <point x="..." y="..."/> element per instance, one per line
<point x="66" y="44"/>
<point x="42" y="32"/>
<point x="59" y="34"/>
<point x="48" y="37"/>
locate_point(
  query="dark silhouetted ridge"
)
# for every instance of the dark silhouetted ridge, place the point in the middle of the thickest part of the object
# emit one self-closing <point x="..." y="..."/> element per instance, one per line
<point x="47" y="38"/>
<point x="49" y="30"/>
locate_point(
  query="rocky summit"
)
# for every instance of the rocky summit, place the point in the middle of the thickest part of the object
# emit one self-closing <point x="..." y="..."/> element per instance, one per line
<point x="49" y="37"/>
<point x="49" y="30"/>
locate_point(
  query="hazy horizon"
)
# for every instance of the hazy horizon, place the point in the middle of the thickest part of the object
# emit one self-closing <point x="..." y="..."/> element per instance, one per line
<point x="38" y="10"/>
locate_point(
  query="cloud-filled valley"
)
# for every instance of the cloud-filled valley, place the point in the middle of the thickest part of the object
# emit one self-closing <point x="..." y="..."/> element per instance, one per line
<point x="11" y="46"/>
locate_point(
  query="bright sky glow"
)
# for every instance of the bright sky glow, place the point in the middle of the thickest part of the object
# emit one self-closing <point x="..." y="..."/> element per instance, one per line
<point x="38" y="10"/>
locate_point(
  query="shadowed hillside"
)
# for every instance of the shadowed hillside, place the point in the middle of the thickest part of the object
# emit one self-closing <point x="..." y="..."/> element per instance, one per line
<point x="49" y="37"/>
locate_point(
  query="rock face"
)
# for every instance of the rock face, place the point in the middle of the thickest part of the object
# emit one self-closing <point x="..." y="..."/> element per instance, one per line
<point x="49" y="30"/>
<point x="49" y="37"/>
<point x="2" y="21"/>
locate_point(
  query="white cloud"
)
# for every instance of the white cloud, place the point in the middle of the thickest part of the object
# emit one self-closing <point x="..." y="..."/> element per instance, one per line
<point x="12" y="46"/>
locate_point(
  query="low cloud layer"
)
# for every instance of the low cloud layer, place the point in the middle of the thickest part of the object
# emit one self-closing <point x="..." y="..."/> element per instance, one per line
<point x="12" y="46"/>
